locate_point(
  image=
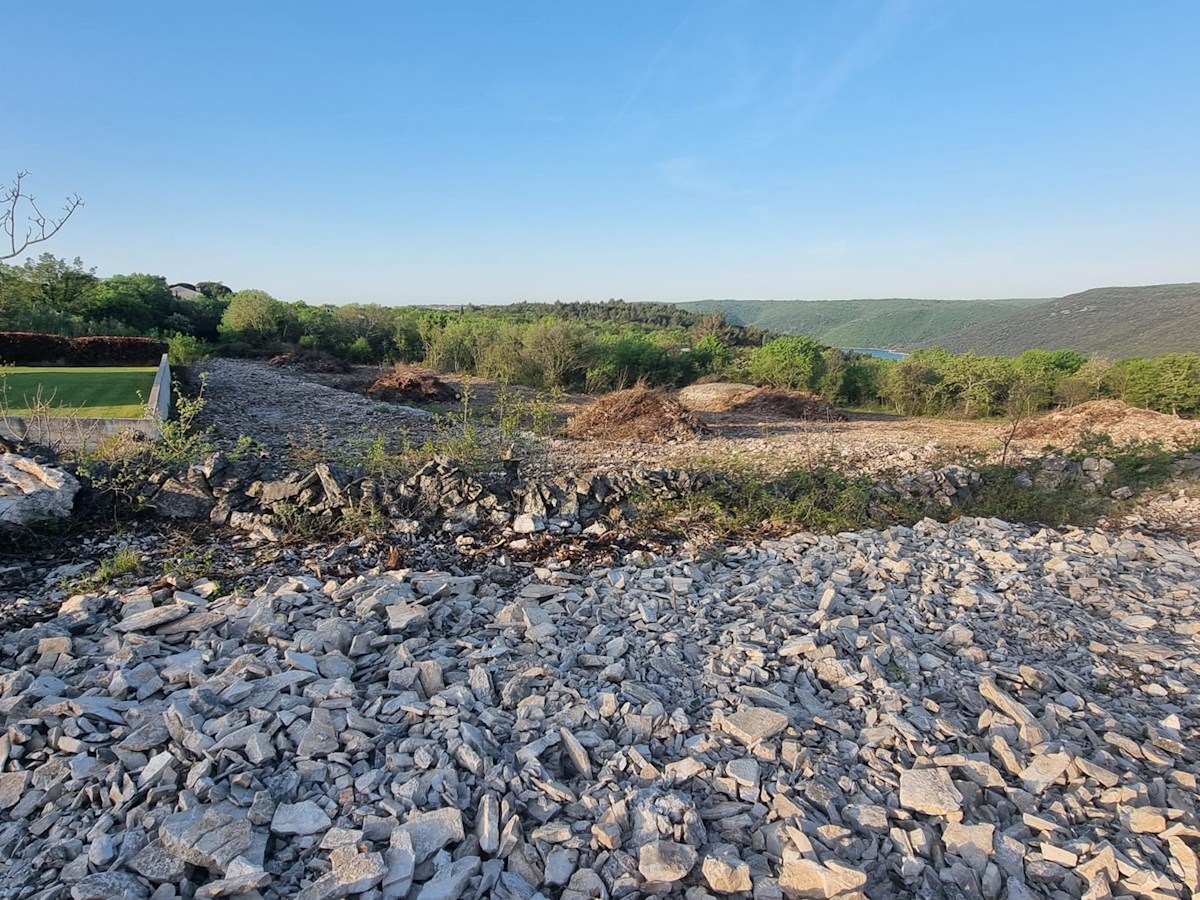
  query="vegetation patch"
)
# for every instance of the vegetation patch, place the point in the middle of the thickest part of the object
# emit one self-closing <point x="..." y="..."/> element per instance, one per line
<point x="119" y="392"/>
<point x="639" y="413"/>
<point x="746" y="505"/>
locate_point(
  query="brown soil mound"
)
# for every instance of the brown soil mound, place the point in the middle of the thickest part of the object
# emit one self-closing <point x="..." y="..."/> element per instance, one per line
<point x="1112" y="417"/>
<point x="316" y="362"/>
<point x="411" y="384"/>
<point x="734" y="397"/>
<point x="636" y="414"/>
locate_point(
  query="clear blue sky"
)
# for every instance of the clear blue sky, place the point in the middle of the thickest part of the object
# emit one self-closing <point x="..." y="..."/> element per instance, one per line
<point x="407" y="152"/>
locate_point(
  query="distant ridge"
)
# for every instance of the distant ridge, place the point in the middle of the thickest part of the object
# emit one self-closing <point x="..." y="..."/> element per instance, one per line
<point x="1112" y="321"/>
<point x="893" y="324"/>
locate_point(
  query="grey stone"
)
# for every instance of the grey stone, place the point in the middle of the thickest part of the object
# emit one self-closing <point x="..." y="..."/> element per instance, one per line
<point x="301" y="818"/>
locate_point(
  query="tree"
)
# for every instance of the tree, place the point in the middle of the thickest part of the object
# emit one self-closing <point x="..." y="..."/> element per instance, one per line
<point x="141" y="302"/>
<point x="36" y="226"/>
<point x="254" y="316"/>
<point x="909" y="385"/>
<point x="213" y="290"/>
<point x="1178" y="383"/>
<point x="792" y="362"/>
<point x="559" y="349"/>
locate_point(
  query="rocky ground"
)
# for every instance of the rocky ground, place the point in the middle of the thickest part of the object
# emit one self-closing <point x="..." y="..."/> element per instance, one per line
<point x="285" y="408"/>
<point x="963" y="710"/>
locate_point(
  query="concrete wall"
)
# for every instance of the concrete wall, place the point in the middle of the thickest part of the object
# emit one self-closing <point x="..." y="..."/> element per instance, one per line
<point x="87" y="432"/>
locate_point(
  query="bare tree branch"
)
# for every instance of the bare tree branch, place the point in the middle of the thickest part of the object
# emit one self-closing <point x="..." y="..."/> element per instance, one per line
<point x="38" y="226"/>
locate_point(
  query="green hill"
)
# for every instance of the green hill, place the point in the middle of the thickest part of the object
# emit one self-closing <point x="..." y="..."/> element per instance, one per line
<point x="885" y="324"/>
<point x="1112" y="322"/>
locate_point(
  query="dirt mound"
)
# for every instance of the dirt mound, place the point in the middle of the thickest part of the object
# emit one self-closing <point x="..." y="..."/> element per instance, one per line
<point x="411" y="384"/>
<point x="1121" y="422"/>
<point x="734" y="397"/>
<point x="315" y="362"/>
<point x="718" y="396"/>
<point x="636" y="414"/>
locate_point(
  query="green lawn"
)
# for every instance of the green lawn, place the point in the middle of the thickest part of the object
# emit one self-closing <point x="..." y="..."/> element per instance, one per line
<point x="118" y="392"/>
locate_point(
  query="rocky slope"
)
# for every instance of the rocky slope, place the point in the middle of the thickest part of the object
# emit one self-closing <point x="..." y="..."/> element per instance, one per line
<point x="962" y="710"/>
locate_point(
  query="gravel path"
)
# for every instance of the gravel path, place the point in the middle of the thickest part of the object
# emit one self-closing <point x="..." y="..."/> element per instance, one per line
<point x="278" y="410"/>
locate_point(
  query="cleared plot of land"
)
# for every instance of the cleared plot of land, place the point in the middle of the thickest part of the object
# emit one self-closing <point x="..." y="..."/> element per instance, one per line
<point x="116" y="392"/>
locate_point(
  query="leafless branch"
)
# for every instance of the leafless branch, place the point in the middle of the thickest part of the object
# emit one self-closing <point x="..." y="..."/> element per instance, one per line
<point x="37" y="226"/>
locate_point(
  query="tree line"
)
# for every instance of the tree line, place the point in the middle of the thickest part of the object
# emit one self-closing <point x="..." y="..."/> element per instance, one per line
<point x="580" y="346"/>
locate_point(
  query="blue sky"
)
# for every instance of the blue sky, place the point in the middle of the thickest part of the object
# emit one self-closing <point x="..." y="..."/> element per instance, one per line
<point x="678" y="149"/>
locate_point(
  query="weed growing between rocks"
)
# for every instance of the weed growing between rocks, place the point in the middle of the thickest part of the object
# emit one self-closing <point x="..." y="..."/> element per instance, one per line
<point x="746" y="504"/>
<point x="119" y="468"/>
<point x="121" y="561"/>
<point x="742" y="502"/>
<point x="476" y="442"/>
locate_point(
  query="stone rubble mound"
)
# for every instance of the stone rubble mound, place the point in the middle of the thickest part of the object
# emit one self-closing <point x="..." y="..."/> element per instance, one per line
<point x="945" y="487"/>
<point x="441" y="495"/>
<point x="954" y="710"/>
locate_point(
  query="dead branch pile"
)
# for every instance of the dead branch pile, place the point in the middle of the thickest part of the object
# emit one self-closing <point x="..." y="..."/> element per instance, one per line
<point x="315" y="362"/>
<point x="639" y="413"/>
<point x="411" y="384"/>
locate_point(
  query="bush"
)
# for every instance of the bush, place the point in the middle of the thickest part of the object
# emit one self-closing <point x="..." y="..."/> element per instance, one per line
<point x="185" y="349"/>
<point x="22" y="348"/>
<point x="116" y="351"/>
<point x="28" y="349"/>
<point x="789" y="362"/>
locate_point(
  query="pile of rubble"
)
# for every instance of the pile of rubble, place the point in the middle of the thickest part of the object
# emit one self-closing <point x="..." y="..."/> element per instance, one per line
<point x="963" y="710"/>
<point x="945" y="487"/>
<point x="440" y="496"/>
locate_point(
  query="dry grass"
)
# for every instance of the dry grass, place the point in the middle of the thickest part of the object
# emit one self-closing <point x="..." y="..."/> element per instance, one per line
<point x="411" y="384"/>
<point x="636" y="414"/>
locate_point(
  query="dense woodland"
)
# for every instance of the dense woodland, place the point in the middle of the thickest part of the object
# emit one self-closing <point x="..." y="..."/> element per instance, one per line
<point x="579" y="346"/>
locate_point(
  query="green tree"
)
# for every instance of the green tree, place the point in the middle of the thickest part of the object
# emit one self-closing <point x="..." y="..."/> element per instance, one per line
<point x="140" y="301"/>
<point x="910" y="386"/>
<point x="253" y="316"/>
<point x="832" y="384"/>
<point x="792" y="362"/>
<point x="213" y="290"/>
<point x="1178" y="382"/>
<point x="559" y="350"/>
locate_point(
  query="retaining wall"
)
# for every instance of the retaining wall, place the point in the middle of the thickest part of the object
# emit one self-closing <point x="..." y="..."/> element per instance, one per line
<point x="86" y="432"/>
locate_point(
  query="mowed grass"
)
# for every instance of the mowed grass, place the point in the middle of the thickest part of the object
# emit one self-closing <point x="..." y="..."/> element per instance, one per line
<point x="118" y="391"/>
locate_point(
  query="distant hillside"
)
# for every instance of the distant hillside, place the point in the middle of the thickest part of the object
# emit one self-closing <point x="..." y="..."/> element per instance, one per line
<point x="886" y="324"/>
<point x="1112" y="322"/>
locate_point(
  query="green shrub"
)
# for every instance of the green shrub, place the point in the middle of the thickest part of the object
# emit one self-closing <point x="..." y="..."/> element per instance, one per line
<point x="185" y="349"/>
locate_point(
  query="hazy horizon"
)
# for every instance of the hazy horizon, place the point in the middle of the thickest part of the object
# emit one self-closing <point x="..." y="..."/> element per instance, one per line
<point x="681" y="151"/>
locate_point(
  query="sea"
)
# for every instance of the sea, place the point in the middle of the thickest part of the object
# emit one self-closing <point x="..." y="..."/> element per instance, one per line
<point x="871" y="351"/>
